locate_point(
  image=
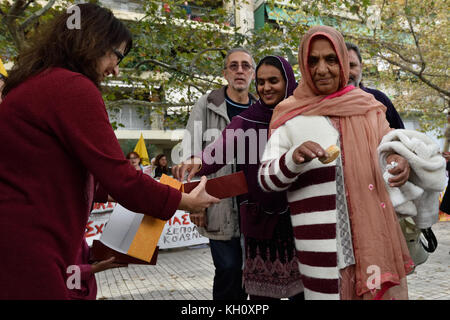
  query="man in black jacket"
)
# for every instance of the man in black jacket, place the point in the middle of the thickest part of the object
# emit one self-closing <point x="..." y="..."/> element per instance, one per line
<point x="354" y="57"/>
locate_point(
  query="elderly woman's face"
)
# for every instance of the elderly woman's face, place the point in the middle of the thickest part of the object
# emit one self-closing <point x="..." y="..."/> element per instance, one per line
<point x="324" y="66"/>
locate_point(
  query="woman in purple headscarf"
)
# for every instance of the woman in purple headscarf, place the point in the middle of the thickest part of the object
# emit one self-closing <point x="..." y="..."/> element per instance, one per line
<point x="271" y="267"/>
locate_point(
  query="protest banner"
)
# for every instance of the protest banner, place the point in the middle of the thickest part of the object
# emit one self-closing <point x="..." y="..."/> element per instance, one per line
<point x="97" y="220"/>
<point x="179" y="231"/>
<point x="135" y="234"/>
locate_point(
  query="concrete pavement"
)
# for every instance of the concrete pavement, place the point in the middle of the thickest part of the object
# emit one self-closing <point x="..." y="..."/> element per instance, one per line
<point x="187" y="274"/>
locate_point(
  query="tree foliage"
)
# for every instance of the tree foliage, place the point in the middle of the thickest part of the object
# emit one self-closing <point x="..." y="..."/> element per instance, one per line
<point x="21" y="18"/>
<point x="405" y="48"/>
<point x="174" y="60"/>
<point x="179" y="58"/>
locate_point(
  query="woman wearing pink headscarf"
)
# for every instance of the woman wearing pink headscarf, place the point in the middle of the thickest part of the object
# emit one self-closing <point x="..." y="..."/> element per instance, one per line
<point x="348" y="240"/>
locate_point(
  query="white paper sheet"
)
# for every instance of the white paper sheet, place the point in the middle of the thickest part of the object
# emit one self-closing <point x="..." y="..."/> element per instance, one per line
<point x="121" y="229"/>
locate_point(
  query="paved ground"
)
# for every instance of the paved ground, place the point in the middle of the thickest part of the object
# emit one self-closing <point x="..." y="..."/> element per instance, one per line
<point x="187" y="274"/>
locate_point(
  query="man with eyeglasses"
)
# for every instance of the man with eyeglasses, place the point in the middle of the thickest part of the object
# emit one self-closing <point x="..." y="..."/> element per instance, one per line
<point x="214" y="111"/>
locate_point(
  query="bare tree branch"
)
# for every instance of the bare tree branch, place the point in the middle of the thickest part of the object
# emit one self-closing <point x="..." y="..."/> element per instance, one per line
<point x="118" y="103"/>
<point x="416" y="40"/>
<point x="417" y="74"/>
<point x="370" y="40"/>
<point x="15" y="11"/>
<point x="435" y="75"/>
<point x="401" y="56"/>
<point x="198" y="88"/>
<point x="194" y="60"/>
<point x="167" y="66"/>
<point x="27" y="4"/>
<point x="36" y="15"/>
<point x="387" y="45"/>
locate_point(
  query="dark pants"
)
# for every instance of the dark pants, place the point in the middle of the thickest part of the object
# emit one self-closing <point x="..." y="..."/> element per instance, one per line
<point x="445" y="204"/>
<point x="227" y="258"/>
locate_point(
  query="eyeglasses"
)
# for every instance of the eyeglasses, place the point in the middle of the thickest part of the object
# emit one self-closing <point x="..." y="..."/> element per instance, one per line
<point x="235" y="66"/>
<point x="119" y="55"/>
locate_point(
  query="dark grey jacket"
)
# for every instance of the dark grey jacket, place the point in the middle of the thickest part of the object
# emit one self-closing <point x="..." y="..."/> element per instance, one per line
<point x="207" y="120"/>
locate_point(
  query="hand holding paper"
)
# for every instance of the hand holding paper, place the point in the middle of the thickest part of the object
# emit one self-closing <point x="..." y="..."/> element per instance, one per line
<point x="191" y="166"/>
<point x="109" y="263"/>
<point x="198" y="199"/>
<point x="133" y="237"/>
<point x="199" y="219"/>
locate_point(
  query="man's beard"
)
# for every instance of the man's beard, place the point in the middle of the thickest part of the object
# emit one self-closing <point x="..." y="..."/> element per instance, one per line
<point x="240" y="89"/>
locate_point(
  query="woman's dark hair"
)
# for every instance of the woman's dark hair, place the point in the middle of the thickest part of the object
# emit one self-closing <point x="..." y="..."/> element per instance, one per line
<point x="135" y="153"/>
<point x="76" y="48"/>
<point x="159" y="157"/>
<point x="354" y="47"/>
<point x="271" y="61"/>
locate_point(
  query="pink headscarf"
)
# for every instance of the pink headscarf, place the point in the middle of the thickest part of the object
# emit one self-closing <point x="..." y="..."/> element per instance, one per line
<point x="377" y="237"/>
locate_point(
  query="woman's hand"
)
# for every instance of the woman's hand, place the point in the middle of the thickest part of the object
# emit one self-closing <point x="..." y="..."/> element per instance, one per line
<point x="400" y="172"/>
<point x="199" y="219"/>
<point x="191" y="166"/>
<point x="307" y="151"/>
<point x="198" y="199"/>
<point x="106" y="264"/>
<point x="446" y="155"/>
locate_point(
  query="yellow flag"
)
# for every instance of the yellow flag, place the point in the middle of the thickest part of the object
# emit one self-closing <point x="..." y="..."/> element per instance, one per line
<point x="2" y="69"/>
<point x="141" y="149"/>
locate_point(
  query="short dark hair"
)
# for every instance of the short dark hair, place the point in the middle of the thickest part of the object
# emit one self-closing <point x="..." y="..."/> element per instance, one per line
<point x="135" y="153"/>
<point x="354" y="47"/>
<point x="75" y="49"/>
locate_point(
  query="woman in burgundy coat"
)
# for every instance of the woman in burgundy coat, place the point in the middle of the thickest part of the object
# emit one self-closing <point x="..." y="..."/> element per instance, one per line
<point x="60" y="153"/>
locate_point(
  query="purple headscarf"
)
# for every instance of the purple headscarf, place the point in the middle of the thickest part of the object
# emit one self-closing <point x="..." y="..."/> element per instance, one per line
<point x="259" y="111"/>
<point x="260" y="210"/>
<point x="259" y="222"/>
